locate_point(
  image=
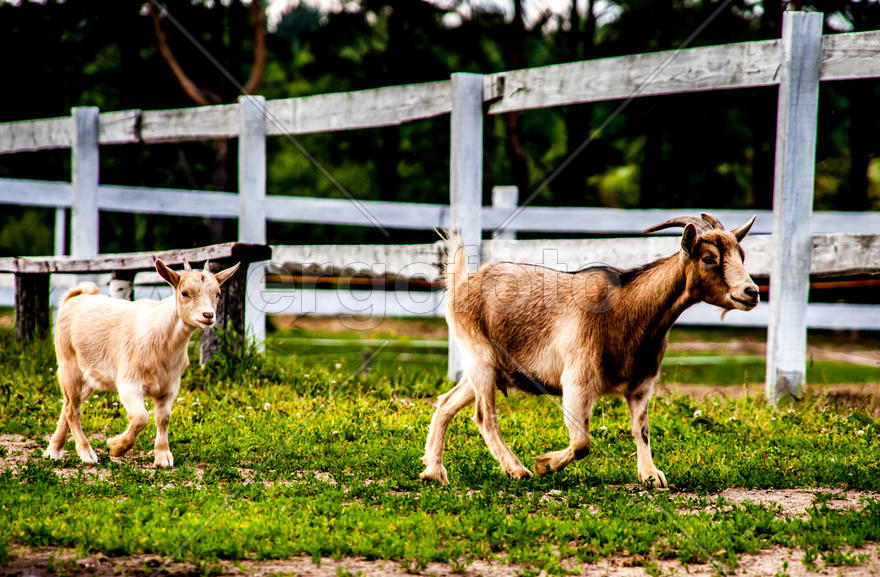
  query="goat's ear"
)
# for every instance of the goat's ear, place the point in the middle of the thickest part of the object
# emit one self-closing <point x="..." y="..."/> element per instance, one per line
<point x="224" y="275"/>
<point x="169" y="275"/>
<point x="740" y="232"/>
<point x="689" y="239"/>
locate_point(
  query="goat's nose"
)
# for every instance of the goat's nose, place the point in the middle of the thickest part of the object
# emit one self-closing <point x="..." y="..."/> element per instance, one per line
<point x="209" y="316"/>
<point x="751" y="292"/>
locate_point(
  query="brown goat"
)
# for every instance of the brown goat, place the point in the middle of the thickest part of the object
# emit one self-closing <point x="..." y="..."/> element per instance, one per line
<point x="598" y="331"/>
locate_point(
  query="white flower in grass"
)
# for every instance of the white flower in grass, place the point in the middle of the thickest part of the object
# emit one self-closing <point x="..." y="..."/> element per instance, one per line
<point x="241" y="416"/>
<point x="338" y="365"/>
<point x="305" y="376"/>
<point x="860" y="432"/>
<point x="603" y="428"/>
<point x="267" y="406"/>
<point x="733" y="418"/>
<point x="332" y="382"/>
<point x="698" y="413"/>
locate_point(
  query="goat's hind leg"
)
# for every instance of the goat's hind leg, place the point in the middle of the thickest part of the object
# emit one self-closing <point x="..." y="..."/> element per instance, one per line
<point x="133" y="401"/>
<point x="448" y="405"/>
<point x="486" y="418"/>
<point x="577" y="406"/>
<point x="76" y="390"/>
<point x="55" y="450"/>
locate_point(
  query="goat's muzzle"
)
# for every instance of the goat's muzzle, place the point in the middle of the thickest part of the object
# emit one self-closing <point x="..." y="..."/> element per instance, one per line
<point x="747" y="298"/>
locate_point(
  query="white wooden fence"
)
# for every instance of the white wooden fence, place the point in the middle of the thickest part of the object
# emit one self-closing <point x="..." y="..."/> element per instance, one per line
<point x="796" y="63"/>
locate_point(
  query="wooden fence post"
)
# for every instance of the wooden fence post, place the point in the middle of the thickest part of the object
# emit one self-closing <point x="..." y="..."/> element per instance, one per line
<point x="84" y="213"/>
<point x="60" y="231"/>
<point x="252" y="206"/>
<point x="793" y="203"/>
<point x="506" y="197"/>
<point x="466" y="177"/>
<point x="31" y="306"/>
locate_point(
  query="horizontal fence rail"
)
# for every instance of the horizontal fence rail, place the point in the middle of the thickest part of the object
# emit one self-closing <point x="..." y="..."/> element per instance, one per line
<point x="740" y="65"/>
<point x="403" y="215"/>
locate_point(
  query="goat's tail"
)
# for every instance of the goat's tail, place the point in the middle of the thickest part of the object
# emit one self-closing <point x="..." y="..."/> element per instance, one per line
<point x="83" y="288"/>
<point x="455" y="267"/>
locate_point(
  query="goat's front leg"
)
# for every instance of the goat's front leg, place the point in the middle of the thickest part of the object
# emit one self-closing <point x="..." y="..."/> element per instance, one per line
<point x="132" y="398"/>
<point x="486" y="418"/>
<point x="638" y="401"/>
<point x="577" y="406"/>
<point x="448" y="405"/>
<point x="161" y="450"/>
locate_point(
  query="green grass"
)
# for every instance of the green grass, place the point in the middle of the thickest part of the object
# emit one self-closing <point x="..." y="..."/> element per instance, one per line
<point x="430" y="355"/>
<point x="330" y="468"/>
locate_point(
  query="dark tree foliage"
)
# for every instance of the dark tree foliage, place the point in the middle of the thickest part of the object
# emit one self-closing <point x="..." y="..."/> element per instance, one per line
<point x="703" y="150"/>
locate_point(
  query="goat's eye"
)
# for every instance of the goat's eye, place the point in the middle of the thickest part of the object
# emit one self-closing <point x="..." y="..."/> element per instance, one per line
<point x="709" y="259"/>
<point x="185" y="294"/>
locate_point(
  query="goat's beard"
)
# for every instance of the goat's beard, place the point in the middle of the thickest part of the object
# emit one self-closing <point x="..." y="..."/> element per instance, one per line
<point x="724" y="312"/>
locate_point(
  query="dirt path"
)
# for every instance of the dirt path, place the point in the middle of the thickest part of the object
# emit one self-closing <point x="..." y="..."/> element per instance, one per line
<point x="46" y="561"/>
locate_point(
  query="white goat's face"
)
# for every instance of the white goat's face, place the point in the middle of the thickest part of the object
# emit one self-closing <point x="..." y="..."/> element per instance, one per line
<point x="196" y="293"/>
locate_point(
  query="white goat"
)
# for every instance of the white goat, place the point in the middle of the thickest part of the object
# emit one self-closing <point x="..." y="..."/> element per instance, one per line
<point x="135" y="348"/>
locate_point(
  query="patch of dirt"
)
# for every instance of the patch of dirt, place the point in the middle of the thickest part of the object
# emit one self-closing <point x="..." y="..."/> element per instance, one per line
<point x="793" y="502"/>
<point x="46" y="561"/>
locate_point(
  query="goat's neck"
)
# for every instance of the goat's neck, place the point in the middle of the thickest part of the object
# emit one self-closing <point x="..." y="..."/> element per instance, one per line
<point x="168" y="332"/>
<point x="653" y="300"/>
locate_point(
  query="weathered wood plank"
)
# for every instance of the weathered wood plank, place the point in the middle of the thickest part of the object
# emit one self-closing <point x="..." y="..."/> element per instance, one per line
<point x="385" y="106"/>
<point x="119" y="127"/>
<point x="855" y="55"/>
<point x="200" y="123"/>
<point x="408" y="215"/>
<point x="848" y="56"/>
<point x="35" y="192"/>
<point x="167" y="201"/>
<point x="833" y="255"/>
<point x="25" y="135"/>
<point x="233" y="251"/>
<point x="31" y="306"/>
<point x="695" y="69"/>
<point x="466" y="181"/>
<point x="795" y="170"/>
<point x="252" y="170"/>
<point x="85" y="168"/>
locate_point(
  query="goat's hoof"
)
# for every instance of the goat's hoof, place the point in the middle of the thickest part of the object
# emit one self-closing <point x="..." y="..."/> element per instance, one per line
<point x="117" y="447"/>
<point x="88" y="456"/>
<point x="436" y="473"/>
<point x="164" y="460"/>
<point x="543" y="466"/>
<point x="53" y="453"/>
<point x="521" y="473"/>
<point x="655" y="479"/>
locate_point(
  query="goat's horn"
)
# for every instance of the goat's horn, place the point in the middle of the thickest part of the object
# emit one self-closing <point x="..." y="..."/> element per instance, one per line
<point x="740" y="232"/>
<point x="716" y="224"/>
<point x="186" y="265"/>
<point x="681" y="221"/>
<point x="208" y="265"/>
